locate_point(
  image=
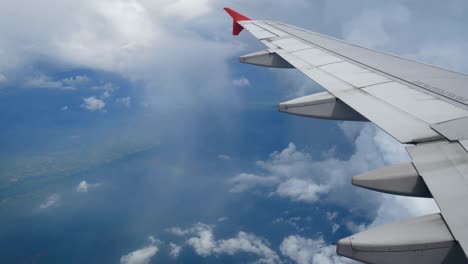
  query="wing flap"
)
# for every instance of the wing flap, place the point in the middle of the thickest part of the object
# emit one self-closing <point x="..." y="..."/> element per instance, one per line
<point x="454" y="130"/>
<point x="407" y="130"/>
<point x="353" y="74"/>
<point x="290" y="44"/>
<point x="416" y="103"/>
<point x="444" y="168"/>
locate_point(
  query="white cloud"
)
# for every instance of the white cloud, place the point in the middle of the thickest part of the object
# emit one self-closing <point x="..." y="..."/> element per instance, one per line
<point x="174" y="250"/>
<point x="301" y="190"/>
<point x="178" y="231"/>
<point x="351" y="130"/>
<point x="143" y="255"/>
<point x="51" y="201"/>
<point x="242" y="82"/>
<point x="244" y="182"/>
<point x="125" y="101"/>
<point x="84" y="187"/>
<point x="224" y="157"/>
<point x="45" y="82"/>
<point x="164" y="54"/>
<point x="203" y="241"/>
<point x="93" y="104"/>
<point x="393" y="208"/>
<point x="247" y="243"/>
<point x="64" y="108"/>
<point x="355" y="227"/>
<point x="308" y="251"/>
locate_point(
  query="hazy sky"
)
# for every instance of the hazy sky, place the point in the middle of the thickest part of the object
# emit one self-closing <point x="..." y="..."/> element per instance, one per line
<point x="132" y="133"/>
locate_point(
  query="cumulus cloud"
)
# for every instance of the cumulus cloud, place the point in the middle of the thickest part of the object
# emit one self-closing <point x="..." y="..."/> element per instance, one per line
<point x="203" y="241"/>
<point x="143" y="255"/>
<point x="307" y="251"/>
<point x="52" y="201"/>
<point x="242" y="82"/>
<point x="301" y="190"/>
<point x="93" y="104"/>
<point x="84" y="187"/>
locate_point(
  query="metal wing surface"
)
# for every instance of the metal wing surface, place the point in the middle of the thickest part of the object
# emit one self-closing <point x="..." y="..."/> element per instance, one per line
<point x="416" y="103"/>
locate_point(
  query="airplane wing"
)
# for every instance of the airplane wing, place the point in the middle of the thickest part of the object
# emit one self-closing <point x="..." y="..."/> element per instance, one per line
<point x="416" y="103"/>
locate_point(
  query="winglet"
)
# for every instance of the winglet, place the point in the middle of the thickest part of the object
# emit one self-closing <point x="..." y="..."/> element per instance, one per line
<point x="237" y="28"/>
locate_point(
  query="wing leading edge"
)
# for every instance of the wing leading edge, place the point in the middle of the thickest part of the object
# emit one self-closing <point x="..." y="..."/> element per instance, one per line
<point x="416" y="103"/>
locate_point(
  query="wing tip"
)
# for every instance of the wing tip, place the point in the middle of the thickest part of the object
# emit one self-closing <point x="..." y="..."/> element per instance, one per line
<point x="236" y="17"/>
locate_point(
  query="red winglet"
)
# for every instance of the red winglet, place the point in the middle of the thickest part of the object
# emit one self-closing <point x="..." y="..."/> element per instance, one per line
<point x="237" y="28"/>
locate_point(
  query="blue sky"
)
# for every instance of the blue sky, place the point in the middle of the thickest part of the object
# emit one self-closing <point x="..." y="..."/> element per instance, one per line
<point x="132" y="134"/>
